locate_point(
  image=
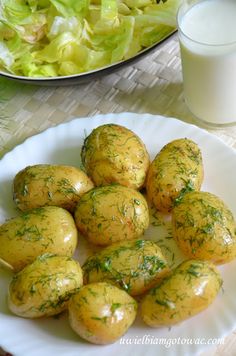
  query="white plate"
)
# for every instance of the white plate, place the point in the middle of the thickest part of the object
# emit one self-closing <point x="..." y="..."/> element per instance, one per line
<point x="62" y="145"/>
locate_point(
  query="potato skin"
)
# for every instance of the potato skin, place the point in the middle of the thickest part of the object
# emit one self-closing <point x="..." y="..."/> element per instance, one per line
<point x="101" y="313"/>
<point x="114" y="154"/>
<point x="191" y="288"/>
<point x="54" y="185"/>
<point x="204" y="228"/>
<point x="44" y="287"/>
<point x="176" y="169"/>
<point x="42" y="230"/>
<point x="112" y="213"/>
<point x="134" y="266"/>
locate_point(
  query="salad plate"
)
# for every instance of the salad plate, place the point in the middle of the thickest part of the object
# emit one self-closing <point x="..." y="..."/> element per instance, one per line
<point x="88" y="76"/>
<point x="62" y="145"/>
<point x="62" y="42"/>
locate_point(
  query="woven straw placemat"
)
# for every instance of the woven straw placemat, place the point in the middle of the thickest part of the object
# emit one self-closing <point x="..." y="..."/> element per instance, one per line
<point x="153" y="85"/>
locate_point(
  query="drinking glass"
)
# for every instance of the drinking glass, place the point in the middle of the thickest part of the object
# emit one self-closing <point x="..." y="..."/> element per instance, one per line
<point x="207" y="37"/>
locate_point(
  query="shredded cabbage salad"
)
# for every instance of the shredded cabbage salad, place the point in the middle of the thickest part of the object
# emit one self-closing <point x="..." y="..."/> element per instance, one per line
<point x="48" y="38"/>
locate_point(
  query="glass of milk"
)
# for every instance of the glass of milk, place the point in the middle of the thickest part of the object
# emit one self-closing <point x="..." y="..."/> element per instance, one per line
<point x="207" y="35"/>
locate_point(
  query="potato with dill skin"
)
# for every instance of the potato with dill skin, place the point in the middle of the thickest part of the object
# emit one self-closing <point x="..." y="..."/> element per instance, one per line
<point x="134" y="266"/>
<point x="176" y="169"/>
<point x="101" y="313"/>
<point x="191" y="288"/>
<point x="204" y="228"/>
<point x="112" y="213"/>
<point x="54" y="185"/>
<point x="114" y="154"/>
<point x="39" y="231"/>
<point x="44" y="287"/>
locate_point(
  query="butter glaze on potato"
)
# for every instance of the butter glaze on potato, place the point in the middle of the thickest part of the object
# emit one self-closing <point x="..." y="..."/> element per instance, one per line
<point x="112" y="213"/>
<point x="44" y="287"/>
<point x="101" y="313"/>
<point x="175" y="170"/>
<point x="42" y="230"/>
<point x="114" y="154"/>
<point x="53" y="185"/>
<point x="204" y="228"/>
<point x="191" y="288"/>
<point x="134" y="266"/>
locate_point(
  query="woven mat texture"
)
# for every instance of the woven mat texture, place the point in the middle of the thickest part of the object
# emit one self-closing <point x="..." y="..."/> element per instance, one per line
<point x="152" y="85"/>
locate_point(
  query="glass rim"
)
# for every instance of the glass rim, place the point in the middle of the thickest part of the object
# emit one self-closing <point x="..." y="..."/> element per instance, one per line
<point x="214" y="45"/>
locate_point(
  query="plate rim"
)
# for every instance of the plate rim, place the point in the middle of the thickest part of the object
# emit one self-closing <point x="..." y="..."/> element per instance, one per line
<point x="123" y="113"/>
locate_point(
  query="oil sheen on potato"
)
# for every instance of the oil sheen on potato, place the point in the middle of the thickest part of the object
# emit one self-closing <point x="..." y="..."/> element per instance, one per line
<point x="176" y="169"/>
<point x="114" y="154"/>
<point x="191" y="288"/>
<point x="134" y="266"/>
<point x="204" y="228"/>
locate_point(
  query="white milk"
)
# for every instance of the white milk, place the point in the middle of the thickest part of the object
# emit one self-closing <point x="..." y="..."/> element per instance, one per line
<point x="207" y="33"/>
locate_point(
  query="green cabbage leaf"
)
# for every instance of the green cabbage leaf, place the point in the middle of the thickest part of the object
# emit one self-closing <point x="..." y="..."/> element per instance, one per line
<point x="50" y="38"/>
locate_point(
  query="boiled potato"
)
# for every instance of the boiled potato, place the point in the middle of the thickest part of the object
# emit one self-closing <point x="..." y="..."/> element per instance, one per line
<point x="176" y="170"/>
<point x="114" y="154"/>
<point x="191" y="288"/>
<point x="135" y="266"/>
<point x="42" y="230"/>
<point x="204" y="228"/>
<point x="101" y="313"/>
<point x="45" y="184"/>
<point x="112" y="213"/>
<point x="44" y="287"/>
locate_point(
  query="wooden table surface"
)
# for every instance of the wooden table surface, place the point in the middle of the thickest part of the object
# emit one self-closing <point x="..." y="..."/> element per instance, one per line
<point x="152" y="85"/>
